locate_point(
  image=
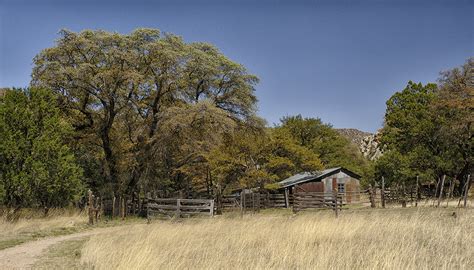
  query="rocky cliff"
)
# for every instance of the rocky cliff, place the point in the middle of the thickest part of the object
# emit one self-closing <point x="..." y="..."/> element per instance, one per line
<point x="367" y="143"/>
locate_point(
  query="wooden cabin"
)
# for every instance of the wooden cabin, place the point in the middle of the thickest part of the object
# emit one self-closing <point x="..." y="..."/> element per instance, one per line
<point x="343" y="180"/>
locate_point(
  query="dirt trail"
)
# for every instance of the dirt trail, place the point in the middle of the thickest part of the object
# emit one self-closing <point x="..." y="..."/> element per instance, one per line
<point x="24" y="256"/>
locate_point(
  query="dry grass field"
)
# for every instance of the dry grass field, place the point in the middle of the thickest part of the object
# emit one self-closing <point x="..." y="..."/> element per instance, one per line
<point x="28" y="225"/>
<point x="410" y="238"/>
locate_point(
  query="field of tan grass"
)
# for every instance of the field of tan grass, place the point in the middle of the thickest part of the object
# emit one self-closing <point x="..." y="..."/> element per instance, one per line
<point x="28" y="225"/>
<point x="423" y="238"/>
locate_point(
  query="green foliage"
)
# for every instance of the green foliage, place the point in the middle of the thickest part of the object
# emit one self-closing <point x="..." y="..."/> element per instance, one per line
<point x="128" y="96"/>
<point x="148" y="111"/>
<point x="408" y="135"/>
<point x="428" y="130"/>
<point x="37" y="168"/>
<point x="258" y="157"/>
<point x="333" y="149"/>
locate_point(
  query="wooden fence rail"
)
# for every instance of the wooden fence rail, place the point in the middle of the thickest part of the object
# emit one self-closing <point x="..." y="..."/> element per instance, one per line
<point x="314" y="200"/>
<point x="179" y="207"/>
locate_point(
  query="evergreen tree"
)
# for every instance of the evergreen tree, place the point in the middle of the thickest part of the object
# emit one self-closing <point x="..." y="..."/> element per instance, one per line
<point x="37" y="168"/>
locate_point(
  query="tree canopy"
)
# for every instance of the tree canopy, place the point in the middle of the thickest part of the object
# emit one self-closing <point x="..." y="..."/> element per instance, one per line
<point x="428" y="130"/>
<point x="37" y="168"/>
<point x="124" y="91"/>
<point x="130" y="113"/>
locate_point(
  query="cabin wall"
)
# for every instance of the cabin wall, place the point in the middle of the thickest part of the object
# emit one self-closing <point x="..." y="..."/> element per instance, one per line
<point x="310" y="187"/>
<point x="331" y="183"/>
<point x="351" y="184"/>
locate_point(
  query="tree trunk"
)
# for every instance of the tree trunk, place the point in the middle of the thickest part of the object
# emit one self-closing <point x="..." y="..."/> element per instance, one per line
<point x="462" y="176"/>
<point x="111" y="171"/>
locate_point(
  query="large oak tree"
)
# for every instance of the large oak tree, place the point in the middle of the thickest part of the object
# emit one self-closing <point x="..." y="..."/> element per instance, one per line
<point x="119" y="89"/>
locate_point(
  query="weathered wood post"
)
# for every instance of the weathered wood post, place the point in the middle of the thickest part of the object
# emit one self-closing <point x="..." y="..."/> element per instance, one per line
<point x="113" y="206"/>
<point x="91" y="206"/>
<point x="242" y="203"/>
<point x="382" y="192"/>
<point x="140" y="205"/>
<point x="122" y="207"/>
<point x="404" y="197"/>
<point x="335" y="202"/>
<point x="212" y="208"/>
<point x="466" y="191"/>
<point x="287" y="201"/>
<point x="371" y="197"/>
<point x="97" y="209"/>
<point x="450" y="191"/>
<point x="134" y="205"/>
<point x="441" y="190"/>
<point x="252" y="196"/>
<point x="219" y="199"/>
<point x="417" y="191"/>
<point x="436" y="192"/>
<point x="147" y="204"/>
<point x="178" y="208"/>
<point x="258" y="202"/>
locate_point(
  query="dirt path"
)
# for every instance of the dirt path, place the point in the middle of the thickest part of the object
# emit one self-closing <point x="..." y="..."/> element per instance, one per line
<point x="24" y="256"/>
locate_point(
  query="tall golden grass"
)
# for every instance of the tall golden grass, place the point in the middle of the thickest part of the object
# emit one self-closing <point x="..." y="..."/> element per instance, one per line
<point x="420" y="238"/>
<point x="31" y="221"/>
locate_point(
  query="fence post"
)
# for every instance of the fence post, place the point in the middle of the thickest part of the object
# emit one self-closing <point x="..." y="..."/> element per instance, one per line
<point x="417" y="191"/>
<point x="219" y="199"/>
<point x="97" y="209"/>
<point x="113" y="206"/>
<point x="450" y="191"/>
<point x="258" y="202"/>
<point x="242" y="203"/>
<point x="467" y="189"/>
<point x="404" y="196"/>
<point x="148" y="207"/>
<point x="295" y="202"/>
<point x="441" y="190"/>
<point x="382" y="192"/>
<point x="212" y="208"/>
<point x="335" y="202"/>
<point x="371" y="197"/>
<point x="178" y="208"/>
<point x="252" y="197"/>
<point x="91" y="205"/>
<point x="122" y="215"/>
<point x="436" y="192"/>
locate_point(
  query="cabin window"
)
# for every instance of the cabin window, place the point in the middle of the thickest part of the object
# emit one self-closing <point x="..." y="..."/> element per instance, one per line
<point x="341" y="188"/>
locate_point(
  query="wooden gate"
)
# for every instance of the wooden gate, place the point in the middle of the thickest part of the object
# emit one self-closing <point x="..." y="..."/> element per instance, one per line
<point x="180" y="207"/>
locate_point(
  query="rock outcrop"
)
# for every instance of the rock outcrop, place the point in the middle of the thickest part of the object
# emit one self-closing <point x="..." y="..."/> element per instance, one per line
<point x="368" y="143"/>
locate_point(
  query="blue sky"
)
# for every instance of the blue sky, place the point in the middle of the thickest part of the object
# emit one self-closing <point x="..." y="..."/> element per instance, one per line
<point x="336" y="60"/>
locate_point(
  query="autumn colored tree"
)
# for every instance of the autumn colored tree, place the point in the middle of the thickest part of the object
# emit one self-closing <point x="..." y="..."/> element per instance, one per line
<point x="260" y="157"/>
<point x="118" y="90"/>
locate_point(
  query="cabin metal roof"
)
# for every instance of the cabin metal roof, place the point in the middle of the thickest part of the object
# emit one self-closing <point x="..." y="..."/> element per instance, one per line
<point x="314" y="176"/>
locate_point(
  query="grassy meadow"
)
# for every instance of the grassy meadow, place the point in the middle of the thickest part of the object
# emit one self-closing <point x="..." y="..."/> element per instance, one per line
<point x="410" y="238"/>
<point x="27" y="225"/>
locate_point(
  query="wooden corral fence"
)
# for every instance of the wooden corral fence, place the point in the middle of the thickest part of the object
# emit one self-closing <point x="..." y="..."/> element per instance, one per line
<point x="255" y="200"/>
<point x="272" y="200"/>
<point x="122" y="206"/>
<point x="179" y="207"/>
<point x="229" y="202"/>
<point x="317" y="200"/>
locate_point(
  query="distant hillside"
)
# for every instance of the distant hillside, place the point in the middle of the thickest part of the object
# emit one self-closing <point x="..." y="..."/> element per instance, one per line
<point x="367" y="142"/>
